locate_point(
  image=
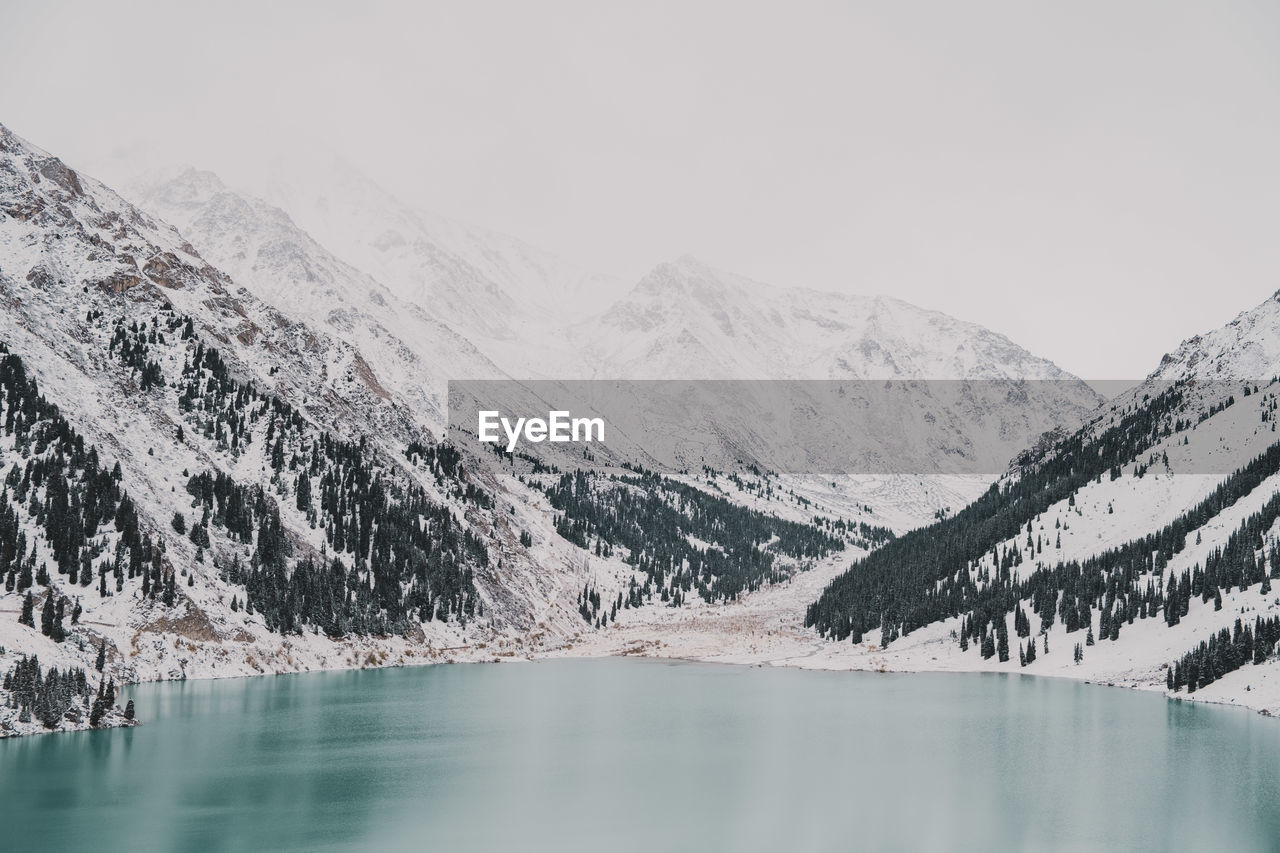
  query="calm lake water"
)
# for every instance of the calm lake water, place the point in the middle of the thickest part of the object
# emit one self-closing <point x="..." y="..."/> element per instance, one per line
<point x="625" y="754"/>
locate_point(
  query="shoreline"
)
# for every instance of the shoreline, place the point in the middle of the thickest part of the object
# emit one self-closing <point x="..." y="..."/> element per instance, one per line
<point x="118" y="721"/>
<point x="763" y="628"/>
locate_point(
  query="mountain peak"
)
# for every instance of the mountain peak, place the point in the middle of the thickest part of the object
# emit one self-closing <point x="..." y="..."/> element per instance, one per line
<point x="691" y="276"/>
<point x="188" y="185"/>
<point x="1247" y="348"/>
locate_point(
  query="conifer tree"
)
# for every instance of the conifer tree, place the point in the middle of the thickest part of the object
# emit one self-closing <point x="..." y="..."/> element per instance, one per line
<point x="47" y="615"/>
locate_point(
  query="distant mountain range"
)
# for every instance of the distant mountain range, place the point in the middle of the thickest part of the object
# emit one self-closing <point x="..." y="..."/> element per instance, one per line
<point x="425" y="300"/>
<point x="237" y="466"/>
<point x="343" y="239"/>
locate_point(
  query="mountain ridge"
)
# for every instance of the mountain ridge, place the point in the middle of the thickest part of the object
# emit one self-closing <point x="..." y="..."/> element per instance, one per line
<point x="284" y="383"/>
<point x="1169" y="494"/>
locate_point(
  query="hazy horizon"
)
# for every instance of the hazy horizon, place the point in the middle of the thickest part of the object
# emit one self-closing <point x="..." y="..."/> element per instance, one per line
<point x="1094" y="183"/>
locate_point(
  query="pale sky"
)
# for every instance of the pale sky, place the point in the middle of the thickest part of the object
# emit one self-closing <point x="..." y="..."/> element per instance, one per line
<point x="1097" y="180"/>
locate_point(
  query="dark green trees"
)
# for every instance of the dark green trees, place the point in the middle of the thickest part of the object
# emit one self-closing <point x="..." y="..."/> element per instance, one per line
<point x="968" y="565"/>
<point x="45" y="696"/>
<point x="1224" y="652"/>
<point x="655" y="518"/>
<point x="51" y="616"/>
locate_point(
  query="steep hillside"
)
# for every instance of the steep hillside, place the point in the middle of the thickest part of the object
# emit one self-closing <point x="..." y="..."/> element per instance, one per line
<point x="271" y="520"/>
<point x="1112" y="555"/>
<point x="509" y="298"/>
<point x="412" y="352"/>
<point x="1246" y="348"/>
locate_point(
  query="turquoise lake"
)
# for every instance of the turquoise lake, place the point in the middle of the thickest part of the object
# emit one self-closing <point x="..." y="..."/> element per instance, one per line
<point x="624" y="754"/>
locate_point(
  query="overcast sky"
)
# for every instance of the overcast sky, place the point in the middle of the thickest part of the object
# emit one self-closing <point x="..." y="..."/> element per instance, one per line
<point x="1097" y="180"/>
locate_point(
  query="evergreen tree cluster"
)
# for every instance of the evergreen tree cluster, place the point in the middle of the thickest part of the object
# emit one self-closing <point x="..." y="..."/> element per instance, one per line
<point x="1224" y="652"/>
<point x="1128" y="581"/>
<point x="104" y="701"/>
<point x="395" y="556"/>
<point x="897" y="584"/>
<point x="959" y="568"/>
<point x="653" y="518"/>
<point x="589" y="606"/>
<point x="445" y="463"/>
<point x="49" y="696"/>
<point x="863" y="535"/>
<point x="58" y="483"/>
<point x="219" y="406"/>
<point x="131" y="346"/>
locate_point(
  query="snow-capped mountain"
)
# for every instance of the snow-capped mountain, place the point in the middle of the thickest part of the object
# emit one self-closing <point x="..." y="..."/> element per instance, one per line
<point x="1246" y="348"/>
<point x="253" y="402"/>
<point x="686" y="319"/>
<point x="422" y="309"/>
<point x="509" y="298"/>
<point x="173" y="437"/>
<point x="535" y="315"/>
<point x="69" y="238"/>
<point x="1142" y="549"/>
<point x="411" y="351"/>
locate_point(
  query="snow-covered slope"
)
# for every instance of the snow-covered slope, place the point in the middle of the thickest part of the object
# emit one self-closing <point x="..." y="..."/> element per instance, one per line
<point x="686" y="319"/>
<point x="160" y="364"/>
<point x="426" y="290"/>
<point x="1246" y="348"/>
<point x="412" y="352"/>
<point x="504" y="295"/>
<point x="1151" y="530"/>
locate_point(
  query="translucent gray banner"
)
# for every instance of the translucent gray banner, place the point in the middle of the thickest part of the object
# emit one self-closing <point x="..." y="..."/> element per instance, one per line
<point x="923" y="427"/>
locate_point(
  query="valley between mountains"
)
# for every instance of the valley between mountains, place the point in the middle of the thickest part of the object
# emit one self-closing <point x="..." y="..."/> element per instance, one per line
<point x="224" y="453"/>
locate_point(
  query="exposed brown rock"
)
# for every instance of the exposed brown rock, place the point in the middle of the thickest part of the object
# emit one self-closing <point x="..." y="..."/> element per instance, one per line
<point x="58" y="172"/>
<point x="365" y="372"/>
<point x="194" y="625"/>
<point x="119" y="282"/>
